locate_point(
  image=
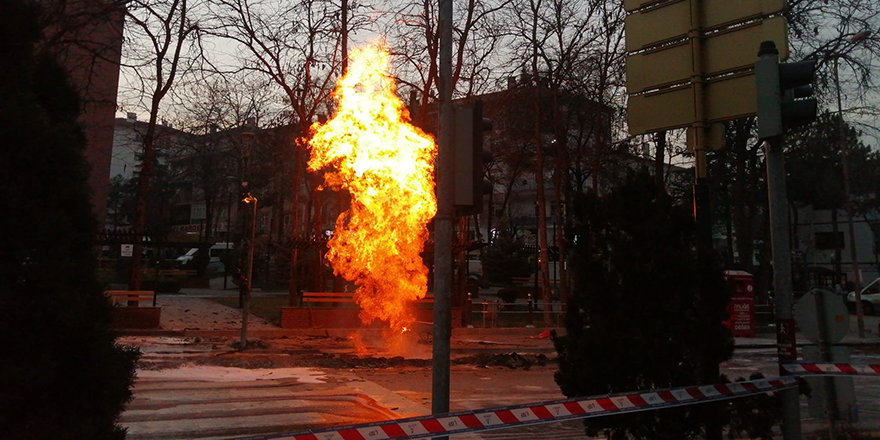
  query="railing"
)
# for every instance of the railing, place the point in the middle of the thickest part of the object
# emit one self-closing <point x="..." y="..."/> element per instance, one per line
<point x="491" y="310"/>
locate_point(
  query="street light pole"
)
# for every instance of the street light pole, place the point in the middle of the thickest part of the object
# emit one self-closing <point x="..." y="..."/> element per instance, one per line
<point x="247" y="293"/>
<point x="847" y="192"/>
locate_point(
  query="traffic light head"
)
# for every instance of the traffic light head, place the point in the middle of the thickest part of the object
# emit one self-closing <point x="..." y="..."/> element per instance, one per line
<point x="795" y="82"/>
<point x="470" y="157"/>
<point x="784" y="93"/>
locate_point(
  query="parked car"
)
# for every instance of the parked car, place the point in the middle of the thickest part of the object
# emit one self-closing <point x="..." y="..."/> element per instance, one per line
<point x="870" y="298"/>
<point x="215" y="252"/>
<point x="215" y="268"/>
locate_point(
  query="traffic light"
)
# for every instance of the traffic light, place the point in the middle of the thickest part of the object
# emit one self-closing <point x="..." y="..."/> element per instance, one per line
<point x="784" y="93"/>
<point x="470" y="157"/>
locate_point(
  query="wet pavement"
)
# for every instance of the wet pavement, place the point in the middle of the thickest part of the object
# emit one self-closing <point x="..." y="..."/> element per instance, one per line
<point x="192" y="383"/>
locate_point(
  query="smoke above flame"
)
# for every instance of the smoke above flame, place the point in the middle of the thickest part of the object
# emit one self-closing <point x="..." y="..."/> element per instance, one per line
<point x="369" y="149"/>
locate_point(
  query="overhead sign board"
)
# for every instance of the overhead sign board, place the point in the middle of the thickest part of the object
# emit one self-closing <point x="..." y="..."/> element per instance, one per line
<point x="726" y="98"/>
<point x="663" y="70"/>
<point x="644" y="29"/>
<point x="723" y="51"/>
<point x="714" y="12"/>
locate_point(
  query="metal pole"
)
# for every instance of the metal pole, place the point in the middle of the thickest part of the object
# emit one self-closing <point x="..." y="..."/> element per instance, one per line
<point x="825" y="346"/>
<point x="785" y="328"/>
<point x="847" y="191"/>
<point x="247" y="293"/>
<point x="443" y="222"/>
<point x="710" y="370"/>
<point x="226" y="258"/>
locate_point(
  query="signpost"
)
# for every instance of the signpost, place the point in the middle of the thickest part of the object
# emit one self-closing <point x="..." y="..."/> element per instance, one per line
<point x="691" y="64"/>
<point x="822" y="318"/>
<point x="703" y="48"/>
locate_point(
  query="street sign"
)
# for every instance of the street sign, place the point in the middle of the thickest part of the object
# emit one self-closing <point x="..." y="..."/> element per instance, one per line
<point x="672" y="21"/>
<point x="728" y="97"/>
<point x="722" y="52"/>
<point x="786" y="340"/>
<point x="645" y="29"/>
<point x="126" y="250"/>
<point x="829" y="308"/>
<point x="677" y="58"/>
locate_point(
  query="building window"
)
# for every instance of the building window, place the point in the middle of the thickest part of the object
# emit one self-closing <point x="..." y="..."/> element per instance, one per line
<point x="825" y="240"/>
<point x="287" y="219"/>
<point x="198" y="212"/>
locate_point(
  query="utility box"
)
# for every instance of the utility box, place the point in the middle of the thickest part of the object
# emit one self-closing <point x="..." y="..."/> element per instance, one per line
<point x="741" y="307"/>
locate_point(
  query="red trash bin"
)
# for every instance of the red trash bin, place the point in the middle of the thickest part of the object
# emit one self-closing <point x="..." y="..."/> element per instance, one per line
<point x="741" y="307"/>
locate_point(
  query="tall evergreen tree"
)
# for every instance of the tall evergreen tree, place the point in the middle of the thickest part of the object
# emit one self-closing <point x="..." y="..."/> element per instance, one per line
<point x="62" y="376"/>
<point x="633" y="321"/>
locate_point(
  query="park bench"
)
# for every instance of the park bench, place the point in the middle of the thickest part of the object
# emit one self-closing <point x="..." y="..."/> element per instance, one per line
<point x="166" y="274"/>
<point x="134" y="316"/>
<point x="521" y="281"/>
<point x="529" y="281"/>
<point x="124" y="296"/>
<point x="344" y="298"/>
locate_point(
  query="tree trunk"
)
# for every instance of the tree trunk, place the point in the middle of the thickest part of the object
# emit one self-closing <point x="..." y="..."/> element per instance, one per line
<point x="544" y="264"/>
<point x="293" y="282"/>
<point x="835" y="230"/>
<point x="141" y="207"/>
<point x="659" y="161"/>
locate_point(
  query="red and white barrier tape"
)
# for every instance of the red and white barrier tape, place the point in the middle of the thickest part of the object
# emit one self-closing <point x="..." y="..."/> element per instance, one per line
<point x="535" y="413"/>
<point x="830" y="369"/>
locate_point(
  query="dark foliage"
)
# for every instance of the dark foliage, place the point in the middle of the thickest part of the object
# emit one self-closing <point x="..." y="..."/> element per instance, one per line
<point x="62" y="374"/>
<point x="646" y="311"/>
<point x="755" y="416"/>
<point x="504" y="259"/>
<point x="815" y="169"/>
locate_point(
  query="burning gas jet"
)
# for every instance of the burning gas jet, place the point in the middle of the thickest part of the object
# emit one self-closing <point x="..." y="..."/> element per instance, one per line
<point x="369" y="149"/>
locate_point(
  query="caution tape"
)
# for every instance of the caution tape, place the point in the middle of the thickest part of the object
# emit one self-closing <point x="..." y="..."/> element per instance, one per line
<point x="536" y="413"/>
<point x="830" y="369"/>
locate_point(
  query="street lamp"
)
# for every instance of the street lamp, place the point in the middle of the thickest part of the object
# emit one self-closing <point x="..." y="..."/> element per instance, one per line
<point x="854" y="265"/>
<point x="247" y="282"/>
<point x="245" y="296"/>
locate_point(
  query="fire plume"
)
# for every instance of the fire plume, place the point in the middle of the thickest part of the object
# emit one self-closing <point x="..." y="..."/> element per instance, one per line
<point x="369" y="149"/>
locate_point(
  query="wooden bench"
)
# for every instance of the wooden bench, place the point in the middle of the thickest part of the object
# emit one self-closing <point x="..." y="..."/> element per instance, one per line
<point x="346" y="297"/>
<point x="124" y="296"/>
<point x="134" y="317"/>
<point x="522" y="281"/>
<point x="165" y="274"/>
<point x="529" y="281"/>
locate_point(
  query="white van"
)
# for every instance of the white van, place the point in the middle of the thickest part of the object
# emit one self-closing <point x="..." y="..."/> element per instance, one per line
<point x="215" y="252"/>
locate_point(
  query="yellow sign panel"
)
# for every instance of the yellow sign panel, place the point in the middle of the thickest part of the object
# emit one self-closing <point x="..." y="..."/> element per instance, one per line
<point x="729" y="98"/>
<point x="658" y="68"/>
<point x="644" y="29"/>
<point x="673" y="20"/>
<point x="725" y="51"/>
<point x="738" y="47"/>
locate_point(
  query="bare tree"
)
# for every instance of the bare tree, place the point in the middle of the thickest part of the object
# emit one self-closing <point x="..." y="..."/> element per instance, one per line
<point x="573" y="54"/>
<point x="411" y="30"/>
<point x="844" y="37"/>
<point x="297" y="46"/>
<point x="160" y="48"/>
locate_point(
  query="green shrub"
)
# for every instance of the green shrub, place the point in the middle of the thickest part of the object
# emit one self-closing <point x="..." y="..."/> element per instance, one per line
<point x="646" y="311"/>
<point x="63" y="375"/>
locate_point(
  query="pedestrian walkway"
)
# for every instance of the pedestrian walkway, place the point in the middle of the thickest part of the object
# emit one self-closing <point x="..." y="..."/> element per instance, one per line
<point x="182" y="312"/>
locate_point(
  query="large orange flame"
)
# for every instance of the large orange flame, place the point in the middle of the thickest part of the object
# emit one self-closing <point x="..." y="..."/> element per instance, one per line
<point x="370" y="149"/>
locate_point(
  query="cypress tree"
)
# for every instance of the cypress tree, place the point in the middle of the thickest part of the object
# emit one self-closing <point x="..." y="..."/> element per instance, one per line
<point x="63" y="375"/>
<point x="633" y="322"/>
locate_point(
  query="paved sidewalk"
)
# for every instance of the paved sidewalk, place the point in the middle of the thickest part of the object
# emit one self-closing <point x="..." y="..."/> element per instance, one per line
<point x="182" y="313"/>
